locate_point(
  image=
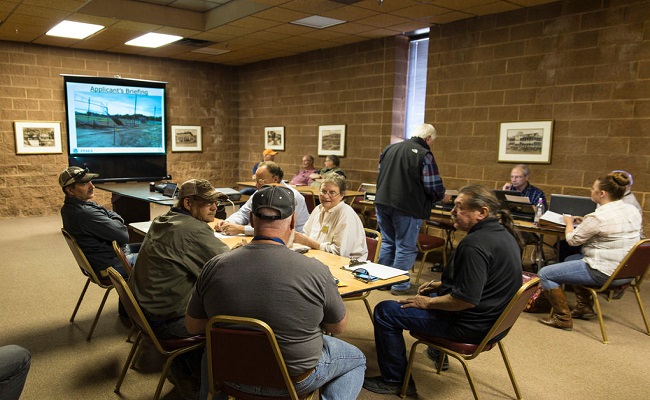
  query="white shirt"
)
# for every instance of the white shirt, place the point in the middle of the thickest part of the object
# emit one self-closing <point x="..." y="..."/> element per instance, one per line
<point x="243" y="215"/>
<point x="607" y="235"/>
<point x="339" y="231"/>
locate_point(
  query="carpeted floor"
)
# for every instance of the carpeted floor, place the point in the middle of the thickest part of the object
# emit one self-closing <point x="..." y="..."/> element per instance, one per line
<point x="40" y="284"/>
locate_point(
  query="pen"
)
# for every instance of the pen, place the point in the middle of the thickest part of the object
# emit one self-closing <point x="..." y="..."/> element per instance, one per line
<point x="426" y="287"/>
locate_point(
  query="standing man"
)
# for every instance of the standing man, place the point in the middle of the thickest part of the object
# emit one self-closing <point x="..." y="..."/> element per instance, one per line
<point x="252" y="281"/>
<point x="477" y="284"/>
<point x="307" y="168"/>
<point x="93" y="226"/>
<point x="268" y="173"/>
<point x="177" y="245"/>
<point x="407" y="186"/>
<point x="519" y="182"/>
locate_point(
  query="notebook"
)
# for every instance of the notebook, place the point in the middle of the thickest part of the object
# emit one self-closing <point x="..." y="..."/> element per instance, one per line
<point x="573" y="205"/>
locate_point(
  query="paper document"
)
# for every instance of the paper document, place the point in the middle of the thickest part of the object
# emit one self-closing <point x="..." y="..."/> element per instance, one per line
<point x="378" y="270"/>
<point x="553" y="217"/>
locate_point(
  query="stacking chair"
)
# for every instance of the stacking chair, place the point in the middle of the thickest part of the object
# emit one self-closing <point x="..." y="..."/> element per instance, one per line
<point x="170" y="348"/>
<point x="245" y="351"/>
<point x="447" y="226"/>
<point x="426" y="244"/>
<point x="464" y="352"/>
<point x="88" y="271"/>
<point x="373" y="241"/>
<point x="122" y="257"/>
<point x="635" y="266"/>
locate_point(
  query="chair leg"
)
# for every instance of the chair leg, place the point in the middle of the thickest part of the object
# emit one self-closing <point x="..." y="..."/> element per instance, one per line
<point x="81" y="297"/>
<point x="640" y="303"/>
<point x="99" y="312"/>
<point x="424" y="258"/>
<point x="163" y="376"/>
<point x="511" y="374"/>
<point x="365" y="301"/>
<point x="468" y="374"/>
<point x="409" y="366"/>
<point x="127" y="363"/>
<point x="599" y="312"/>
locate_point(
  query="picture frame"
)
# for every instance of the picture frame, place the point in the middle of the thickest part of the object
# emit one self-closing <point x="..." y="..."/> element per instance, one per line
<point x="331" y="140"/>
<point x="38" y="137"/>
<point x="526" y="142"/>
<point x="186" y="138"/>
<point x="274" y="137"/>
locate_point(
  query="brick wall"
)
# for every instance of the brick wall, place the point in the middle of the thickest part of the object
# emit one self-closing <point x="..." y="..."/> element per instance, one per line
<point x="583" y="64"/>
<point x="31" y="89"/>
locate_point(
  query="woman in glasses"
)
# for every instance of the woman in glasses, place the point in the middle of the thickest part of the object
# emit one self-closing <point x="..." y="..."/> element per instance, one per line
<point x="334" y="226"/>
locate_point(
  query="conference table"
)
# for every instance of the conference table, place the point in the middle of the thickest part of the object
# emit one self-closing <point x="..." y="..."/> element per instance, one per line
<point x="349" y="194"/>
<point x="348" y="284"/>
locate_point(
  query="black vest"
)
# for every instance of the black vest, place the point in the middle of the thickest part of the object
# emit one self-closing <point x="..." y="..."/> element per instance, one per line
<point x="399" y="183"/>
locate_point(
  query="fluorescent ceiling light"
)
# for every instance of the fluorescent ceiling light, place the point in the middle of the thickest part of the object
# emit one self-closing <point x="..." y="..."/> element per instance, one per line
<point x="318" y="22"/>
<point x="74" y="30"/>
<point x="153" y="40"/>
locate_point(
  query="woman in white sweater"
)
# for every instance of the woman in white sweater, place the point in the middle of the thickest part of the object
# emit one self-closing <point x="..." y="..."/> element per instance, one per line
<point x="334" y="226"/>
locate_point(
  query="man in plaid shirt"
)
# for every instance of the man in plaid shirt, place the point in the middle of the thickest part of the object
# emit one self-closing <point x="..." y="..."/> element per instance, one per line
<point x="519" y="182"/>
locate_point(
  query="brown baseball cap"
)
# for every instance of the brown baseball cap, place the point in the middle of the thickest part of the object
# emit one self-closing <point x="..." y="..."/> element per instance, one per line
<point x="201" y="188"/>
<point x="72" y="175"/>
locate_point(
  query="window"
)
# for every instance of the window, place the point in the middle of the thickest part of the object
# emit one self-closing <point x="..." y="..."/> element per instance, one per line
<point x="416" y="89"/>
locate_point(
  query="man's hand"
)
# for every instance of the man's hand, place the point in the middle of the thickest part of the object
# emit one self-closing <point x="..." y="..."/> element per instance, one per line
<point x="230" y="229"/>
<point x="426" y="288"/>
<point x="421" y="302"/>
<point x="508" y="186"/>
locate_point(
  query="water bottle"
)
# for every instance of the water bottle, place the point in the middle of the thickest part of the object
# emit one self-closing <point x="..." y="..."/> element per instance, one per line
<point x="539" y="211"/>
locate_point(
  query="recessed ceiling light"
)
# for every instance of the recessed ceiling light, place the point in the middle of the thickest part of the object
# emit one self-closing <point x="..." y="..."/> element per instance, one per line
<point x="153" y="40"/>
<point x="74" y="30"/>
<point x="318" y="22"/>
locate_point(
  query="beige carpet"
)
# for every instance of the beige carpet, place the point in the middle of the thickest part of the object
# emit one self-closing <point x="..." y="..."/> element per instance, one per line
<point x="40" y="284"/>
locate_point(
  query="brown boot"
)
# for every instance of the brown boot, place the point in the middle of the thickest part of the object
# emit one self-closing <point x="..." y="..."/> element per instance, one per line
<point x="561" y="317"/>
<point x="584" y="304"/>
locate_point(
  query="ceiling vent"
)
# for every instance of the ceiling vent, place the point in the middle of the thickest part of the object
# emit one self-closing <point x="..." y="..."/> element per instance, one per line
<point x="194" y="42"/>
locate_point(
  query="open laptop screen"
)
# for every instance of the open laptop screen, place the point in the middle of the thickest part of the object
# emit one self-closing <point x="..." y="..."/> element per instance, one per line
<point x="573" y="205"/>
<point x="170" y="190"/>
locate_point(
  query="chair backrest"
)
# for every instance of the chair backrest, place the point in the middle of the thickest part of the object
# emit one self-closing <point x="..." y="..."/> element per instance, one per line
<point x="132" y="307"/>
<point x="373" y="241"/>
<point x="634" y="265"/>
<point x="81" y="259"/>
<point x="310" y="200"/>
<point x="244" y="350"/>
<point x="510" y="314"/>
<point x="122" y="257"/>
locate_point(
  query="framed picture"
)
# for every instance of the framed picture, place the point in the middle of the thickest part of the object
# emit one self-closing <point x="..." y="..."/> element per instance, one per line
<point x="526" y="142"/>
<point x="38" y="137"/>
<point x="186" y="138"/>
<point x="274" y="137"/>
<point x="331" y="140"/>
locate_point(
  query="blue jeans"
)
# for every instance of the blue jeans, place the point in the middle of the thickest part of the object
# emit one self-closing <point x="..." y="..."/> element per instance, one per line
<point x="14" y="366"/>
<point x="573" y="271"/>
<point x="390" y="322"/>
<point x="399" y="234"/>
<point x="338" y="373"/>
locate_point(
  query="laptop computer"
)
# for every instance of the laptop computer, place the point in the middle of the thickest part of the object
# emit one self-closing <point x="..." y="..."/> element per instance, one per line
<point x="573" y="205"/>
<point x="170" y="190"/>
<point x="369" y="190"/>
<point x="439" y="205"/>
<point x="501" y="194"/>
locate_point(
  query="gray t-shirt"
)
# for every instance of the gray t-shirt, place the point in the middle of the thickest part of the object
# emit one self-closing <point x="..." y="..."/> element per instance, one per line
<point x="292" y="293"/>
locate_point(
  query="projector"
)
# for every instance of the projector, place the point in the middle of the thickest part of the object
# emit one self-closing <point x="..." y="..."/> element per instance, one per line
<point x="232" y="194"/>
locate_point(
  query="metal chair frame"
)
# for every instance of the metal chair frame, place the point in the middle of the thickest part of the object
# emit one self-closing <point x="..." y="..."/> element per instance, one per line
<point x="88" y="271"/>
<point x="170" y="348"/>
<point x="635" y="266"/>
<point x="464" y="352"/>
<point x="373" y="257"/>
<point x="433" y="243"/>
<point x="243" y="350"/>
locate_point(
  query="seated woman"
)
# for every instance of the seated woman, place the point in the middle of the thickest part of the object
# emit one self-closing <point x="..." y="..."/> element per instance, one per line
<point x="606" y="236"/>
<point x="334" y="226"/>
<point x="331" y="168"/>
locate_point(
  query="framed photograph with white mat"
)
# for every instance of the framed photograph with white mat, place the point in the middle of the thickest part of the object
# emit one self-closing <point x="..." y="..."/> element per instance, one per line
<point x="526" y="142"/>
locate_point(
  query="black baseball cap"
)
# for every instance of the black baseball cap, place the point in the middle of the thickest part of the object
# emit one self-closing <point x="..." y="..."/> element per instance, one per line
<point x="274" y="197"/>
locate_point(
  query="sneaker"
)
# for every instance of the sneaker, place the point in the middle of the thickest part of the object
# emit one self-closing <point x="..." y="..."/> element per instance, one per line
<point x="437" y="267"/>
<point x="377" y="384"/>
<point x="434" y="355"/>
<point x="409" y="291"/>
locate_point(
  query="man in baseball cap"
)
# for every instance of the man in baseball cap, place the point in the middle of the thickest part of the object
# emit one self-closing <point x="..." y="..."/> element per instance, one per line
<point x="299" y="296"/>
<point x="93" y="226"/>
<point x="267" y="155"/>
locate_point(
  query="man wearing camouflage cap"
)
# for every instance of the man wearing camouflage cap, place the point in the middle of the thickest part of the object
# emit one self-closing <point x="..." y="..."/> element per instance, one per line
<point x="173" y="252"/>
